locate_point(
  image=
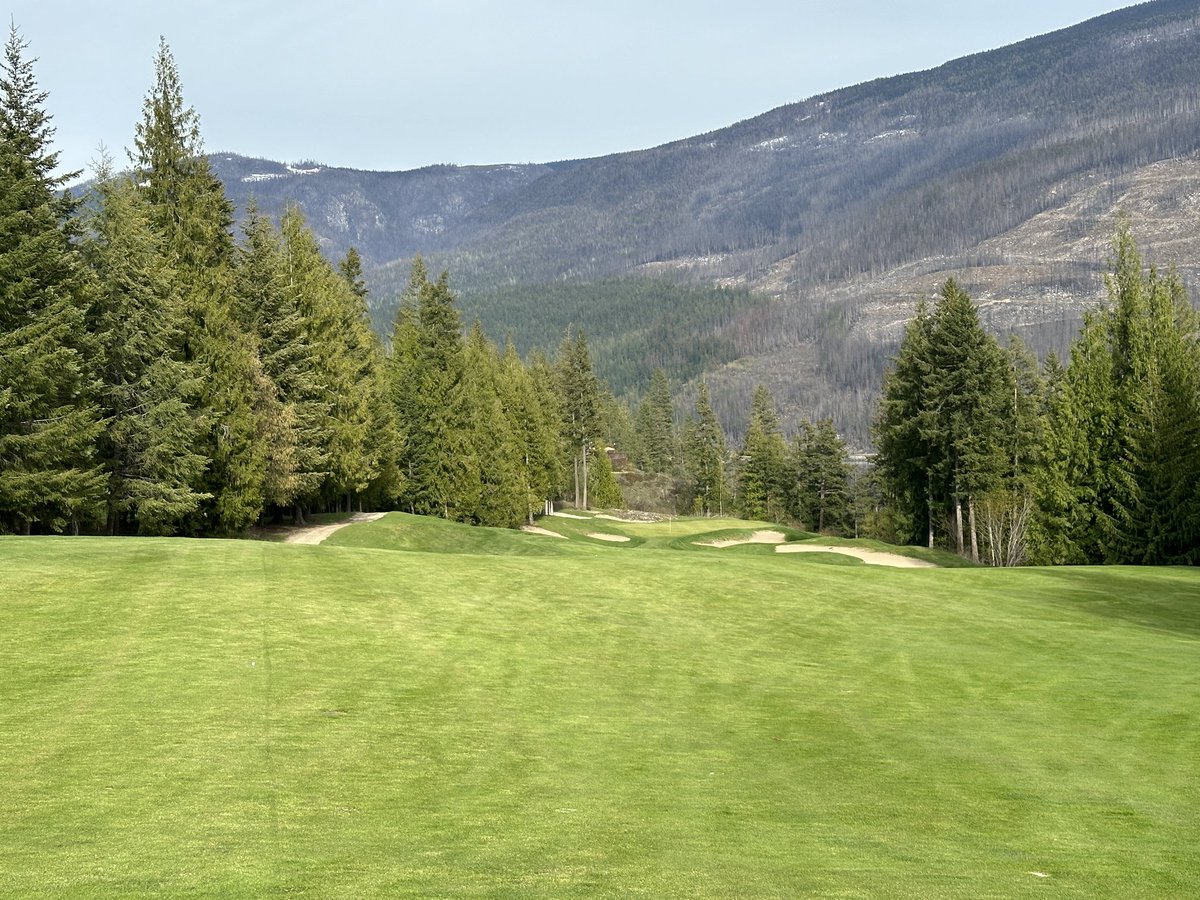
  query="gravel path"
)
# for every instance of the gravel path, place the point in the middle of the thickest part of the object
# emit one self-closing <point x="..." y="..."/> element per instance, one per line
<point x="315" y="534"/>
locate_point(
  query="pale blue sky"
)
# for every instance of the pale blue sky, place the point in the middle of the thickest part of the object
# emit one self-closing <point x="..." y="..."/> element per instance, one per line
<point x="402" y="85"/>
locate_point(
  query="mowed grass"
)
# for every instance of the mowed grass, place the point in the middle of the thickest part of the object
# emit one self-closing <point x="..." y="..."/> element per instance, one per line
<point x="224" y="719"/>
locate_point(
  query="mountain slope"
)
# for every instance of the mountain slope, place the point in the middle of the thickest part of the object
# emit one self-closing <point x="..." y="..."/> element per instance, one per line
<point x="998" y="167"/>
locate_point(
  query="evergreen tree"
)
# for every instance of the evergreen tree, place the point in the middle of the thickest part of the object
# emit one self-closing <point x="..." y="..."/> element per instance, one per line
<point x="500" y="498"/>
<point x="705" y="457"/>
<point x="905" y="460"/>
<point x="656" y="426"/>
<point x="351" y="270"/>
<point x="187" y="204"/>
<point x="532" y="418"/>
<point x="440" y="474"/>
<point x="269" y="306"/>
<point x="146" y="388"/>
<point x="49" y="421"/>
<point x="346" y="357"/>
<point x="965" y="413"/>
<point x="821" y="477"/>
<point x="579" y="397"/>
<point x="603" y="490"/>
<point x="762" y="477"/>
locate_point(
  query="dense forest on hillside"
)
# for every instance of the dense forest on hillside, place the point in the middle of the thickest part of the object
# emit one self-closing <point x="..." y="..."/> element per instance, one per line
<point x="856" y="180"/>
<point x="833" y="207"/>
<point x="161" y="373"/>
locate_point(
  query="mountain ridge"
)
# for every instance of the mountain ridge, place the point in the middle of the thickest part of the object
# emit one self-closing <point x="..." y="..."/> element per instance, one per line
<point x="844" y="207"/>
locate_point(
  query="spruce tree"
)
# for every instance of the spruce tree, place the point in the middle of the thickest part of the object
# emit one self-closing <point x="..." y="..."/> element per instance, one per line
<point x="147" y="390"/>
<point x="821" y="477"/>
<point x="965" y="412"/>
<point x="49" y="421"/>
<point x="655" y="425"/>
<point x="187" y="203"/>
<point x="762" y="477"/>
<point x="705" y="457"/>
<point x="496" y="445"/>
<point x="579" y="396"/>
<point x="905" y="459"/>
<point x="533" y="421"/>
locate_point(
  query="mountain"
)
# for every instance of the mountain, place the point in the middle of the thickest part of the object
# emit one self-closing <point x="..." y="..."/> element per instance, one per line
<point x="832" y="216"/>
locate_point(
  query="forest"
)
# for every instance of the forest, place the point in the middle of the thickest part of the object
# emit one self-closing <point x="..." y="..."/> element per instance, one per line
<point x="159" y="375"/>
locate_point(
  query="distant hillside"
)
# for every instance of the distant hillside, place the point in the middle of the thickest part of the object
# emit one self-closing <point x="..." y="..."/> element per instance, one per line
<point x="1004" y="168"/>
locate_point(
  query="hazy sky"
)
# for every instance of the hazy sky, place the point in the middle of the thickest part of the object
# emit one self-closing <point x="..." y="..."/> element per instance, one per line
<point x="400" y="85"/>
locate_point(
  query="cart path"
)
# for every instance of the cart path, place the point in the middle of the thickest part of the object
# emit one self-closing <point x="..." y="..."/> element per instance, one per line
<point x="315" y="534"/>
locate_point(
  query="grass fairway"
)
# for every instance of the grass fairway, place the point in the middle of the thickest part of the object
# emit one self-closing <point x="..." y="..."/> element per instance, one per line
<point x="508" y="715"/>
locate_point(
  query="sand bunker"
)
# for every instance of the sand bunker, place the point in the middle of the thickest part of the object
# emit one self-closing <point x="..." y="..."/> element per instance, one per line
<point x="871" y="557"/>
<point x="615" y="538"/>
<point x="563" y="515"/>
<point x="759" y="537"/>
<point x="533" y="529"/>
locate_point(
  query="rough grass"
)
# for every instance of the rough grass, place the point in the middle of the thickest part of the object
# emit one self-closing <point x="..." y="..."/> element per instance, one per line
<point x="224" y="719"/>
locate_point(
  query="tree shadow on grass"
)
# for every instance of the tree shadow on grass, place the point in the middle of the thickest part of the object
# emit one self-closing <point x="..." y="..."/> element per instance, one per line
<point x="1165" y="599"/>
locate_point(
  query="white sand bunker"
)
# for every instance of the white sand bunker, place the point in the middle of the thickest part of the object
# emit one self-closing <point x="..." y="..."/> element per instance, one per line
<point x="565" y="515"/>
<point x="615" y="538"/>
<point x="871" y="557"/>
<point x="759" y="537"/>
<point x="533" y="529"/>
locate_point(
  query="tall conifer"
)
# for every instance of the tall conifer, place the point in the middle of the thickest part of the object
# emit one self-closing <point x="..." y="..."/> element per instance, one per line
<point x="49" y="421"/>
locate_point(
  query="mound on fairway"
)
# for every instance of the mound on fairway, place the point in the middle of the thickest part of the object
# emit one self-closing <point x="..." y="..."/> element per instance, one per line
<point x="238" y="719"/>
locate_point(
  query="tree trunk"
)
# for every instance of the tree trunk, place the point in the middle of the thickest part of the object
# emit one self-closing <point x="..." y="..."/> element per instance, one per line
<point x="971" y="525"/>
<point x="929" y="510"/>
<point x="958" y="525"/>
<point x="575" y="462"/>
<point x="585" y="479"/>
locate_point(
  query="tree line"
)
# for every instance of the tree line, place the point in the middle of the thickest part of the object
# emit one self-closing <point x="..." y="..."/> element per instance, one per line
<point x="159" y="376"/>
<point x="1096" y="461"/>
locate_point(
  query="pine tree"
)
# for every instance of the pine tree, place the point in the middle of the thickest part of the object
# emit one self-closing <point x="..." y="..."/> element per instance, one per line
<point x="655" y="425"/>
<point x="299" y="461"/>
<point x="533" y="420"/>
<point x="351" y="270"/>
<point x="428" y="362"/>
<point x="147" y="446"/>
<point x="603" y="490"/>
<point x="705" y="457"/>
<point x="965" y="415"/>
<point x="905" y="459"/>
<point x="187" y="203"/>
<point x="762" y="478"/>
<point x="49" y="422"/>
<point x="579" y="395"/>
<point x="821" y="477"/>
<point x="496" y="444"/>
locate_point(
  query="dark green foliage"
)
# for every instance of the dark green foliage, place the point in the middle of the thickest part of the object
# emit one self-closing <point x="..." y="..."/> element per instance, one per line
<point x="762" y="474"/>
<point x="603" y="490"/>
<point x="943" y="422"/>
<point x="655" y="425"/>
<point x="1123" y="444"/>
<point x="49" y="421"/>
<point x="905" y="459"/>
<point x="704" y="457"/>
<point x="820" y="478"/>
<point x="429" y="364"/>
<point x="580" y="408"/>
<point x="147" y="390"/>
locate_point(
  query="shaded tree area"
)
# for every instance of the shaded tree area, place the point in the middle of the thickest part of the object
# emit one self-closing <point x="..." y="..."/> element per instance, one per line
<point x="1094" y="462"/>
<point x="157" y="375"/>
